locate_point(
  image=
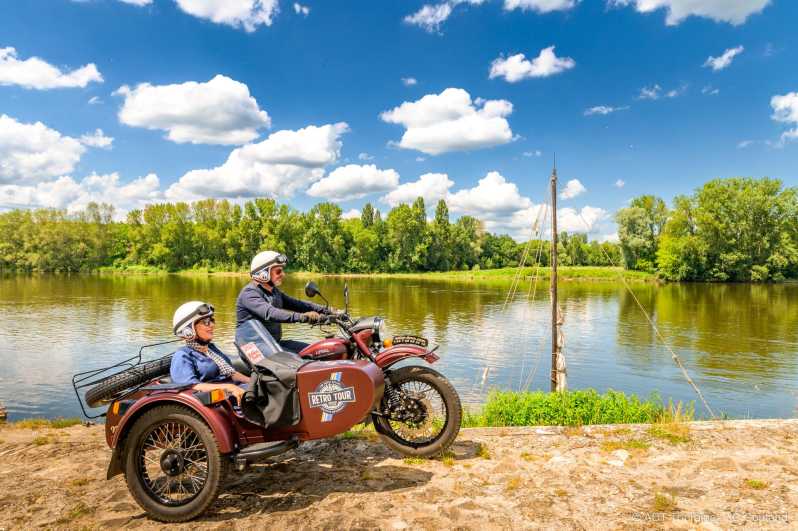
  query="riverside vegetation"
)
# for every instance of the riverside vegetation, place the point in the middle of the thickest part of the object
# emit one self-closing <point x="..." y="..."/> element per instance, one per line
<point x="740" y="229"/>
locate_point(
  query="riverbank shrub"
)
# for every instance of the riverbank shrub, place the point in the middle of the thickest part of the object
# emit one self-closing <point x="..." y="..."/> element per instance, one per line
<point x="571" y="408"/>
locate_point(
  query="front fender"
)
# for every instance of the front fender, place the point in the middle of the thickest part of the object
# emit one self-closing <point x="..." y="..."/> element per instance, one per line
<point x="397" y="353"/>
<point x="214" y="417"/>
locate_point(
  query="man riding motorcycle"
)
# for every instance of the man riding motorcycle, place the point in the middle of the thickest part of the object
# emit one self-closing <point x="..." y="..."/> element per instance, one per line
<point x="262" y="300"/>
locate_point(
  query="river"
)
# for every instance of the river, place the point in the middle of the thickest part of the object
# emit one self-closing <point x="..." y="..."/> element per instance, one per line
<point x="738" y="341"/>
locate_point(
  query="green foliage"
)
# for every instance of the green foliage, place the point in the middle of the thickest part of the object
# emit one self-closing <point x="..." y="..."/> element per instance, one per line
<point x="572" y="408"/>
<point x="729" y="230"/>
<point x="737" y="230"/>
<point x="639" y="229"/>
<point x="215" y="235"/>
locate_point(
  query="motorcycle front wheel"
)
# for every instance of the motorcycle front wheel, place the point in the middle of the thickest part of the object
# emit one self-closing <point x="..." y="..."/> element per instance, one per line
<point x="420" y="412"/>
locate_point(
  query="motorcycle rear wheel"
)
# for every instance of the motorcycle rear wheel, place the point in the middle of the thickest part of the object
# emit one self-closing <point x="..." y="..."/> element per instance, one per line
<point x="433" y="426"/>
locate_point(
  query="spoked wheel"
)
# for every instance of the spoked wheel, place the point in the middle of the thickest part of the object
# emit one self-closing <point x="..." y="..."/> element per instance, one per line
<point x="421" y="412"/>
<point x="172" y="464"/>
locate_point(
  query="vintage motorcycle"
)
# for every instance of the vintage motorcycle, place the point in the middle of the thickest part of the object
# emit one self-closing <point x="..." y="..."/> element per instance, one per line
<point x="176" y="445"/>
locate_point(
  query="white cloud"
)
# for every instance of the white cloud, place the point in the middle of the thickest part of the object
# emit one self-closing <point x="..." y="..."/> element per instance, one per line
<point x="449" y="121"/>
<point x="604" y="110"/>
<point x="518" y="67"/>
<point x="785" y="110"/>
<point x="675" y="93"/>
<point x="32" y="152"/>
<point x="430" y="17"/>
<point x="299" y="9"/>
<point x="95" y="100"/>
<point x="35" y="73"/>
<point x="724" y="60"/>
<point x="65" y="192"/>
<point x="572" y="189"/>
<point x="536" y="153"/>
<point x="353" y="182"/>
<point x="585" y="220"/>
<point x="139" y="3"/>
<point x="246" y="14"/>
<point x="364" y="156"/>
<point x="352" y="213"/>
<point x="734" y="12"/>
<point x="284" y="163"/>
<point x="709" y="90"/>
<point x="97" y="139"/>
<point x="431" y="186"/>
<point x="650" y="93"/>
<point x="541" y="6"/>
<point x="409" y="81"/>
<point x="493" y="196"/>
<point x="611" y="238"/>
<point x="655" y="92"/>
<point x="620" y="183"/>
<point x="220" y="111"/>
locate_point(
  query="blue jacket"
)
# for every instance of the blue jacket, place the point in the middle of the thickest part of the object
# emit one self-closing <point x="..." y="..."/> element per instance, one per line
<point x="192" y="367"/>
<point x="271" y="308"/>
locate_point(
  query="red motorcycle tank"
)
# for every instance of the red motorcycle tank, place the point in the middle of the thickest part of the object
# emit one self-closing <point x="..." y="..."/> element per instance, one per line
<point x="336" y="395"/>
<point x="332" y="348"/>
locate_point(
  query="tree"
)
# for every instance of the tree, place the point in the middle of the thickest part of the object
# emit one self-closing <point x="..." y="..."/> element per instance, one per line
<point x="639" y="229"/>
<point x="367" y="215"/>
<point x="439" y="251"/>
<point x="738" y="229"/>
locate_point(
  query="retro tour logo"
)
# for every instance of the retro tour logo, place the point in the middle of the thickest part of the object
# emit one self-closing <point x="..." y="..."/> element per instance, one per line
<point x="331" y="396"/>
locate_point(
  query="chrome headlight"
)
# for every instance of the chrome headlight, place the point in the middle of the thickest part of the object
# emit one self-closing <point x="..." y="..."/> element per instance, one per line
<point x="380" y="330"/>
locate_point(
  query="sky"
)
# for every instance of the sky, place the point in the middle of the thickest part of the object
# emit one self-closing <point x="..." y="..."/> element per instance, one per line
<point x="138" y="101"/>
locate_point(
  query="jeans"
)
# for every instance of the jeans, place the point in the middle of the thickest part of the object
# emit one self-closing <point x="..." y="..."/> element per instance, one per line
<point x="293" y="346"/>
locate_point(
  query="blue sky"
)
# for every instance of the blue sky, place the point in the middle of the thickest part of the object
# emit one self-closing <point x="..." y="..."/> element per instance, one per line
<point x="300" y="72"/>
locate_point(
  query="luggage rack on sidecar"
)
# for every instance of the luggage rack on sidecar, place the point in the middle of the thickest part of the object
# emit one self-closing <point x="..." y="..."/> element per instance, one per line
<point x="142" y="377"/>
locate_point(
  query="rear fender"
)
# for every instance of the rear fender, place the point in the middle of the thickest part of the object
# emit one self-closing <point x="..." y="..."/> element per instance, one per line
<point x="397" y="353"/>
<point x="216" y="419"/>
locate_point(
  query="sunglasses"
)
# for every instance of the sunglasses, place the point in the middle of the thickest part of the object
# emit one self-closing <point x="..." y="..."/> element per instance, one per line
<point x="207" y="321"/>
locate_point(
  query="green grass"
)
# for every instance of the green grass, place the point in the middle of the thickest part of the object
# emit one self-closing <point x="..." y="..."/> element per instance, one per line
<point x="38" y="424"/>
<point x="756" y="484"/>
<point x="629" y="444"/>
<point x="490" y="276"/>
<point x="572" y="408"/>
<point x="507" y="274"/>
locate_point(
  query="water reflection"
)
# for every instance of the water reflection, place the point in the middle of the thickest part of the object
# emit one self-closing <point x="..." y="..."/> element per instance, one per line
<point x="739" y="342"/>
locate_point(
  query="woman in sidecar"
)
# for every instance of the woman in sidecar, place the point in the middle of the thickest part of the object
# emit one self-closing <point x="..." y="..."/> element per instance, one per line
<point x="200" y="362"/>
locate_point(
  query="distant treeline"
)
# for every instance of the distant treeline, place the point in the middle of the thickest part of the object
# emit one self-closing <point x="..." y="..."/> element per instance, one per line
<point x="219" y="235"/>
<point x="740" y="229"/>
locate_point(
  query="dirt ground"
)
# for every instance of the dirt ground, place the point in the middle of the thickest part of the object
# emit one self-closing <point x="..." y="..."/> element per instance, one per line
<point x="719" y="475"/>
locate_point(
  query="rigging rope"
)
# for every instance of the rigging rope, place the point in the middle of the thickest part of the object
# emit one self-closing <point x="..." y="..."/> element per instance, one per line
<point x="674" y="356"/>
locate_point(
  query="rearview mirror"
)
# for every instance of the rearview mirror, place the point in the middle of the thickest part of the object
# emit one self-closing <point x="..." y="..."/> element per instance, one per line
<point x="311" y="289"/>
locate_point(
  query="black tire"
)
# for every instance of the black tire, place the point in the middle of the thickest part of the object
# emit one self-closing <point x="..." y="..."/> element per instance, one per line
<point x="443" y="439"/>
<point x="150" y="427"/>
<point x="109" y="388"/>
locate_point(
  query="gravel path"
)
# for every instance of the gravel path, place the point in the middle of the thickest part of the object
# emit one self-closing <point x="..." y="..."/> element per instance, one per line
<point x="709" y="475"/>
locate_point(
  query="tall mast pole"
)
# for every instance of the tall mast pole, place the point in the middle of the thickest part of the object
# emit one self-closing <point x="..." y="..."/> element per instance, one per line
<point x="558" y="382"/>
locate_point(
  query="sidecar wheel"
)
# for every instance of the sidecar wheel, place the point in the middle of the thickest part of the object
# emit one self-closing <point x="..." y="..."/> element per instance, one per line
<point x="421" y="413"/>
<point x="172" y="464"/>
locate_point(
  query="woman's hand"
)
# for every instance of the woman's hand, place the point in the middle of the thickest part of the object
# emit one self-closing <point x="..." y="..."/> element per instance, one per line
<point x="236" y="391"/>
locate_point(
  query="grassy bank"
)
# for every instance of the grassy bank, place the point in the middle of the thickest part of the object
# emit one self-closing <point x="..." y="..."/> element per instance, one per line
<point x="499" y="276"/>
<point x="572" y="408"/>
<point x="507" y="274"/>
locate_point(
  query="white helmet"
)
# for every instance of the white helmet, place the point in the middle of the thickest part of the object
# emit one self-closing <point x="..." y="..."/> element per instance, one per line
<point x="188" y="314"/>
<point x="262" y="264"/>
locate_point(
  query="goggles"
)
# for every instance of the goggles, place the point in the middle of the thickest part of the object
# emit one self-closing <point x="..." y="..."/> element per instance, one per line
<point x="279" y="260"/>
<point x="203" y="310"/>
